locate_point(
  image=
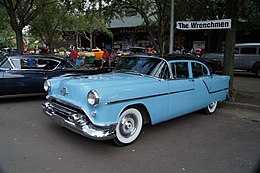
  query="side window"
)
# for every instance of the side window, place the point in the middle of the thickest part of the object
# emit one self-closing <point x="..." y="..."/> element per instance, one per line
<point x="165" y="74"/>
<point x="17" y="63"/>
<point x="248" y="51"/>
<point x="6" y="65"/>
<point x="34" y="63"/>
<point x="180" y="70"/>
<point x="25" y="63"/>
<point x="67" y="65"/>
<point x="50" y="64"/>
<point x="198" y="70"/>
<point x="161" y="71"/>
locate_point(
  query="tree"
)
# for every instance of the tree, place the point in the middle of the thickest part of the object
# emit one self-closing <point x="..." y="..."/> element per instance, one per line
<point x="86" y="19"/>
<point x="86" y="23"/>
<point x="49" y="24"/>
<point x="233" y="9"/>
<point x="21" y="13"/>
<point x="155" y="13"/>
<point x="6" y="32"/>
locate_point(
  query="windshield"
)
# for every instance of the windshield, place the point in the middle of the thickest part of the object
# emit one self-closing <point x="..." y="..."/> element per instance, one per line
<point x="143" y="65"/>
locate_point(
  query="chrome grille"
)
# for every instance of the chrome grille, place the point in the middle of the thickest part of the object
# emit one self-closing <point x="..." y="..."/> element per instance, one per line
<point x="65" y="110"/>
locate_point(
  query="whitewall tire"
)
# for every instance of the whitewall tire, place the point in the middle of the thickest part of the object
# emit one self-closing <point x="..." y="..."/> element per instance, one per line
<point x="211" y="108"/>
<point x="129" y="127"/>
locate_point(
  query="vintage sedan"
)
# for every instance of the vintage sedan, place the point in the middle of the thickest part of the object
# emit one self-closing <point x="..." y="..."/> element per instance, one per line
<point x="142" y="89"/>
<point x="22" y="75"/>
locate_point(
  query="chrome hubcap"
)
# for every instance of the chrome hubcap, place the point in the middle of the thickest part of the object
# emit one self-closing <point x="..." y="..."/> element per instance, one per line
<point x="128" y="125"/>
<point x="212" y="106"/>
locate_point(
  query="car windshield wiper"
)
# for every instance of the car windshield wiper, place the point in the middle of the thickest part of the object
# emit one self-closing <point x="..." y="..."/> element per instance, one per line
<point x="129" y="72"/>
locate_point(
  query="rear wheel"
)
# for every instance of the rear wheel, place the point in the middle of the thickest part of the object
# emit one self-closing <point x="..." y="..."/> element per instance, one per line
<point x="129" y="127"/>
<point x="211" y="108"/>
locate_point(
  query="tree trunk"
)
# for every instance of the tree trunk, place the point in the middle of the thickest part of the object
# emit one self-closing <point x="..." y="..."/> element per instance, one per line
<point x="229" y="56"/>
<point x="19" y="41"/>
<point x="90" y="41"/>
<point x="232" y="12"/>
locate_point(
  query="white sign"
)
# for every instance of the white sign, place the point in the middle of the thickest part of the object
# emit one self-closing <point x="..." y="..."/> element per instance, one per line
<point x="210" y="24"/>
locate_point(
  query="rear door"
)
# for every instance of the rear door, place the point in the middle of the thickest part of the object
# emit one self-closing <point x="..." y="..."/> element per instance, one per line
<point x="201" y="77"/>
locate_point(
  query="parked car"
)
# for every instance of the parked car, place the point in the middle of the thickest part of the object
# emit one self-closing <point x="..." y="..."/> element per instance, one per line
<point x="25" y="74"/>
<point x="6" y="51"/>
<point x="246" y="57"/>
<point x="98" y="53"/>
<point x="141" y="89"/>
<point x="199" y="52"/>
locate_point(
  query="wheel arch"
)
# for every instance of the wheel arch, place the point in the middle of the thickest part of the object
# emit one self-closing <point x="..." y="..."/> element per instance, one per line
<point x="256" y="65"/>
<point x="142" y="108"/>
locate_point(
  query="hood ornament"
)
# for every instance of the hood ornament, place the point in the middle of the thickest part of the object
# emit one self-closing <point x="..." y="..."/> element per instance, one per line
<point x="64" y="91"/>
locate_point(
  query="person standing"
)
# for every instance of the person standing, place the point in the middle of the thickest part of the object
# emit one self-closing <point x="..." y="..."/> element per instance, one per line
<point x="105" y="58"/>
<point x="80" y="61"/>
<point x="74" y="55"/>
<point x="113" y="56"/>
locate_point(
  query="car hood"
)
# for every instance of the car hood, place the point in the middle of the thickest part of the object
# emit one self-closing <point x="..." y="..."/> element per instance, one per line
<point x="108" y="84"/>
<point x="104" y="80"/>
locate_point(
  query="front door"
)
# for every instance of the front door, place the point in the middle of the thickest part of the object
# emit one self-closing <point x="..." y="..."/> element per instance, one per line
<point x="181" y="90"/>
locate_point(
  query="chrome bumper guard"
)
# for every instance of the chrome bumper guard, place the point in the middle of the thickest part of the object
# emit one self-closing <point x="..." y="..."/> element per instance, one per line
<point x="77" y="122"/>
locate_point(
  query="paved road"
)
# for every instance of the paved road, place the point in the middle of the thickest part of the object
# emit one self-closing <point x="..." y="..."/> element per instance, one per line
<point x="226" y="142"/>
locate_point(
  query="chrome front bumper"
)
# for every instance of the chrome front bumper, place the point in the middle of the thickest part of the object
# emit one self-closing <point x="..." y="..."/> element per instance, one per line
<point x="78" y="122"/>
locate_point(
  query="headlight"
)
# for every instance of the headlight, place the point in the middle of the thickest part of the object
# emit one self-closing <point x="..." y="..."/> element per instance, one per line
<point x="93" y="98"/>
<point x="47" y="86"/>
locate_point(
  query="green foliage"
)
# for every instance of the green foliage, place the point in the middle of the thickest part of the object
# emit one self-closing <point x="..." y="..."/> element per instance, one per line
<point x="88" y="22"/>
<point x="20" y="14"/>
<point x="7" y="35"/>
<point x="250" y="16"/>
<point x="48" y="26"/>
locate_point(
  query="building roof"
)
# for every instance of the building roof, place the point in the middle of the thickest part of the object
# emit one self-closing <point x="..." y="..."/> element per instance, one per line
<point x="131" y="21"/>
<point x="128" y="21"/>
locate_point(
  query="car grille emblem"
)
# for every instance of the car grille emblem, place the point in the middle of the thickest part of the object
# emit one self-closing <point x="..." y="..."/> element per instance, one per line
<point x="64" y="91"/>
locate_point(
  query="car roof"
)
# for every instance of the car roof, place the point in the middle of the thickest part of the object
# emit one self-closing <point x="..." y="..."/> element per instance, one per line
<point x="168" y="57"/>
<point x="247" y="44"/>
<point x="35" y="56"/>
<point x="181" y="57"/>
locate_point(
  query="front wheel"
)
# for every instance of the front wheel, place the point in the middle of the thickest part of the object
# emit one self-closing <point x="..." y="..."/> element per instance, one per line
<point x="129" y="127"/>
<point x="211" y="108"/>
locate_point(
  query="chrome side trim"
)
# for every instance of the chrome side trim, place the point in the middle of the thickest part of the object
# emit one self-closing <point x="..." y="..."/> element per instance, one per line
<point x="212" y="92"/>
<point x="22" y="95"/>
<point x="133" y="99"/>
<point x="146" y="97"/>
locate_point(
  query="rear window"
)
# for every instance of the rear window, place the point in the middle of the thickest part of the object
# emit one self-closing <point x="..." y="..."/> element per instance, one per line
<point x="180" y="70"/>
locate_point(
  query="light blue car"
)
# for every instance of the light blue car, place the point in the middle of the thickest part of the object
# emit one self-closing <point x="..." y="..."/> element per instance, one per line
<point x="142" y="89"/>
